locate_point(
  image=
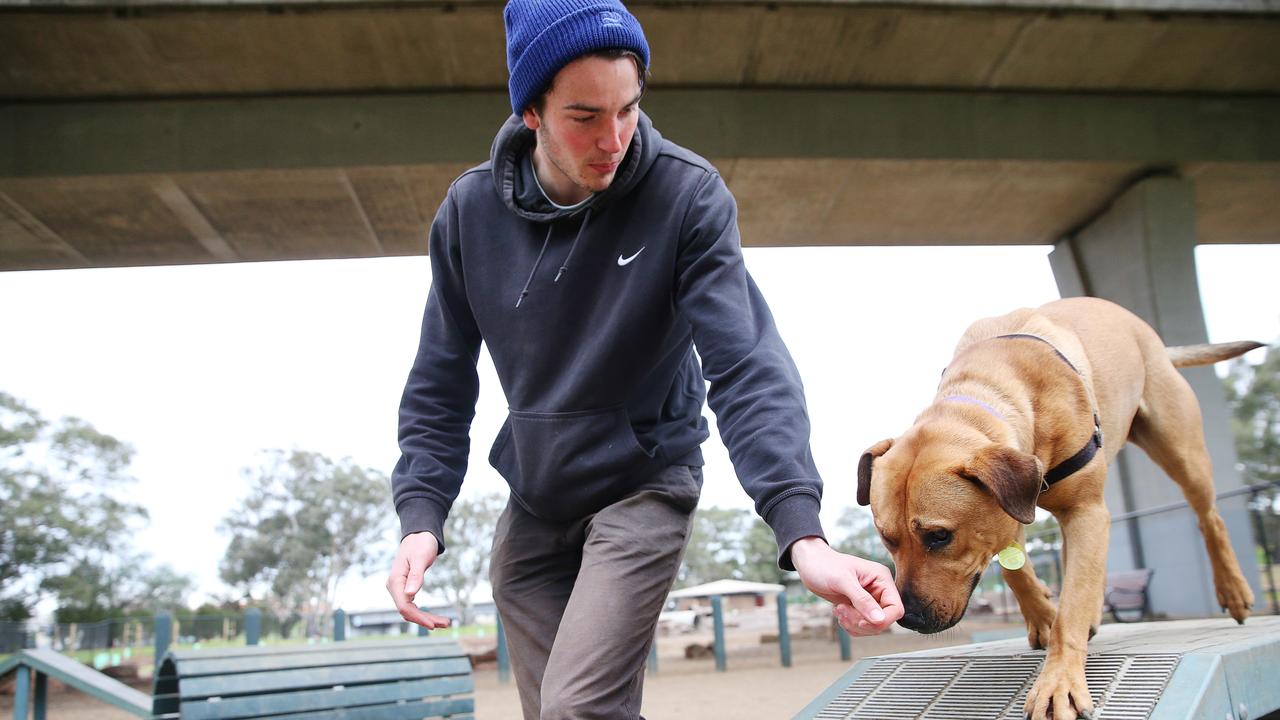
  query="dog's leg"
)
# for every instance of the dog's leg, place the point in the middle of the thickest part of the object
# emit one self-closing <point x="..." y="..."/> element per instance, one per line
<point x="1034" y="600"/>
<point x="1061" y="687"/>
<point x="1168" y="428"/>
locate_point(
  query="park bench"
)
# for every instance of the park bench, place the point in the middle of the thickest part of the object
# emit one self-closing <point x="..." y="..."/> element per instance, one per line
<point x="1127" y="592"/>
<point x="373" y="680"/>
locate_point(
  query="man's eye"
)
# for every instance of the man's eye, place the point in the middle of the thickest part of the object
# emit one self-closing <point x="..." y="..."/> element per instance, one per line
<point x="937" y="539"/>
<point x="582" y="120"/>
<point x="627" y="111"/>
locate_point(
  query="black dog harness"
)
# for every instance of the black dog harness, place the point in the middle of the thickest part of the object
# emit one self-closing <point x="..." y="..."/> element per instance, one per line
<point x="1065" y="468"/>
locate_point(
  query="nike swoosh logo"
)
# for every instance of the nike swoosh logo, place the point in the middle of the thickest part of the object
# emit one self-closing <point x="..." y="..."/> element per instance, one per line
<point x="627" y="261"/>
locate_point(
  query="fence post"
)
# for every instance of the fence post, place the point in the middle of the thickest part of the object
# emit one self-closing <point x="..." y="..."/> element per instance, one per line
<point x="784" y="630"/>
<point x="163" y="635"/>
<point x="504" y="659"/>
<point x="717" y="614"/>
<point x="42" y="697"/>
<point x="22" y="692"/>
<point x="653" y="654"/>
<point x="252" y="626"/>
<point x="339" y="625"/>
<point x="845" y="651"/>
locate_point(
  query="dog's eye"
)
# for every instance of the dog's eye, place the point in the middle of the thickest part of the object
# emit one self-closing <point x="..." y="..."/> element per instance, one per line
<point x="937" y="539"/>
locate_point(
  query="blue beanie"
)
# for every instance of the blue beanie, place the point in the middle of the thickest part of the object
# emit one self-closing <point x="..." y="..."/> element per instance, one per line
<point x="545" y="35"/>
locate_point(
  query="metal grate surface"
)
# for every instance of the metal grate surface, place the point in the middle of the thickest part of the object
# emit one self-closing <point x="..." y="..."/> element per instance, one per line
<point x="1123" y="687"/>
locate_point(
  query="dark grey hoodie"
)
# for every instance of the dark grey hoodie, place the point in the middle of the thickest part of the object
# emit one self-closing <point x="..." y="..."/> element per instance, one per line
<point x="591" y="317"/>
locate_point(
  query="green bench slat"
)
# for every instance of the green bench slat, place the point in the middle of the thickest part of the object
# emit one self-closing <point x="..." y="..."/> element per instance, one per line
<point x="347" y="697"/>
<point x="310" y="678"/>
<point x="405" y="711"/>
<point x="197" y="666"/>
<point x="304" y="649"/>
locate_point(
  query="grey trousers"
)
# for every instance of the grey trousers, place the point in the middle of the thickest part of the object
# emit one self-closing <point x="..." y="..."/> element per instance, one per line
<point x="580" y="600"/>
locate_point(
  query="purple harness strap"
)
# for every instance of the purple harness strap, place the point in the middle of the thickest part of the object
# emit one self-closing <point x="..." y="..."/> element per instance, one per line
<point x="979" y="403"/>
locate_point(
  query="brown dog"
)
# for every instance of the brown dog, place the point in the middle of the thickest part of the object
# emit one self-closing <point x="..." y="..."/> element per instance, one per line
<point x="1019" y="421"/>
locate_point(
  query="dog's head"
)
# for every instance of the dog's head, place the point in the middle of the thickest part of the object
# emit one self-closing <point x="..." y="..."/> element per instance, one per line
<point x="945" y="500"/>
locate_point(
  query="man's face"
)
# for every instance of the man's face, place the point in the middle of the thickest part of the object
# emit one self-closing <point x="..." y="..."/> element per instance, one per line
<point x="585" y="126"/>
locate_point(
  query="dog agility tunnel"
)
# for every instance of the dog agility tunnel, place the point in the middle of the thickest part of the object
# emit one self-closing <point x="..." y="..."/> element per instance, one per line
<point x="1177" y="670"/>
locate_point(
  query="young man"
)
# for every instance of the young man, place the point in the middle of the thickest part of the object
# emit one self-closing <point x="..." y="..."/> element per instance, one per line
<point x="592" y="256"/>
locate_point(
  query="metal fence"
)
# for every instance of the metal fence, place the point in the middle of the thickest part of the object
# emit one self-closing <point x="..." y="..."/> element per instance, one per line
<point x="1044" y="548"/>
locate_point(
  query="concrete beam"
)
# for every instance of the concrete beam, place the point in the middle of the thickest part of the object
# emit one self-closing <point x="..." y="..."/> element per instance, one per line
<point x="130" y="49"/>
<point x="159" y="136"/>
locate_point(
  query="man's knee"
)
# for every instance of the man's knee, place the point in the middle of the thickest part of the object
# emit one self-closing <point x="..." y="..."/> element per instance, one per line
<point x="565" y="705"/>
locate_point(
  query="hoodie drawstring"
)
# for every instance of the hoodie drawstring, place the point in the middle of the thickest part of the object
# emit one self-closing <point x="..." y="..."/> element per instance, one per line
<point x="545" y="241"/>
<point x="585" y="219"/>
<point x="565" y="266"/>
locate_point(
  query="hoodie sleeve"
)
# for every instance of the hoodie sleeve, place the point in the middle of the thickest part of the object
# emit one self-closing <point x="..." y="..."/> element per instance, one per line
<point x="755" y="392"/>
<point x="439" y="398"/>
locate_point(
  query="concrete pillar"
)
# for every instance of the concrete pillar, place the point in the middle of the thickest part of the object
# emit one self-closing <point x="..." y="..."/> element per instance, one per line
<point x="1140" y="253"/>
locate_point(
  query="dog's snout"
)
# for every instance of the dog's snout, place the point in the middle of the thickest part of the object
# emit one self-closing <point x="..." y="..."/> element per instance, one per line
<point x="913" y="615"/>
<point x="921" y="617"/>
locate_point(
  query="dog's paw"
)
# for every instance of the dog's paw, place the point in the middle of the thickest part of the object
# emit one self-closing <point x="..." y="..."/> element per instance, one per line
<point x="1040" y="618"/>
<point x="1235" y="596"/>
<point x="1060" y="693"/>
<point x="1038" y="633"/>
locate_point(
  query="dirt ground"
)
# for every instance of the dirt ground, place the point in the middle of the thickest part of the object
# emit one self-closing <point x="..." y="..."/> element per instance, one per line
<point x="755" y="685"/>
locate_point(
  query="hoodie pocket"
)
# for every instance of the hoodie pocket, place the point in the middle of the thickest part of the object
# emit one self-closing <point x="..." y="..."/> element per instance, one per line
<point x="562" y="466"/>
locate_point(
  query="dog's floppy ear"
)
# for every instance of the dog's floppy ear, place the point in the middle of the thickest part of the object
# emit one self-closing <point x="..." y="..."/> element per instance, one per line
<point x="864" y="469"/>
<point x="1013" y="477"/>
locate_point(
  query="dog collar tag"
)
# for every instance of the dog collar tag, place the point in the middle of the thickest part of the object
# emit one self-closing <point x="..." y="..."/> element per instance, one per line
<point x="1012" y="557"/>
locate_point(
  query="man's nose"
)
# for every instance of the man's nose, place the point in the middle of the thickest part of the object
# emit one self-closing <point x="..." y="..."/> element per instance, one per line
<point x="611" y="140"/>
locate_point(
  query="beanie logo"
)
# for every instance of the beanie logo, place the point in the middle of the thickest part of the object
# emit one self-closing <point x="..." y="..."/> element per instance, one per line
<point x="608" y="18"/>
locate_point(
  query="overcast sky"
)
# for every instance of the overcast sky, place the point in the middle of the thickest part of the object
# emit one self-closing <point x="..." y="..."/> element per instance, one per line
<point x="201" y="367"/>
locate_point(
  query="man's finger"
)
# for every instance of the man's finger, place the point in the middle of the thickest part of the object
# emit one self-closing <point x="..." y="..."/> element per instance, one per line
<point x="883" y="589"/>
<point x="863" y="603"/>
<point x="413" y="583"/>
<point x="396" y="578"/>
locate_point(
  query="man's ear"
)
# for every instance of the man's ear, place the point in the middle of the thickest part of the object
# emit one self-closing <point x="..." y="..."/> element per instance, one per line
<point x="864" y="469"/>
<point x="1013" y="477"/>
<point x="531" y="119"/>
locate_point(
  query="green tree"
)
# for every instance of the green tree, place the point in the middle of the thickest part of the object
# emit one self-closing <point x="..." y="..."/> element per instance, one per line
<point x="715" y="546"/>
<point x="760" y="553"/>
<point x="856" y="535"/>
<point x="307" y="523"/>
<point x="465" y="562"/>
<point x="730" y="543"/>
<point x="1253" y="394"/>
<point x="62" y="523"/>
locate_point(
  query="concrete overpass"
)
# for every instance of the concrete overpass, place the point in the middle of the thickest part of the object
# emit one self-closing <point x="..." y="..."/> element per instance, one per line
<point x="210" y="132"/>
<point x="1123" y="132"/>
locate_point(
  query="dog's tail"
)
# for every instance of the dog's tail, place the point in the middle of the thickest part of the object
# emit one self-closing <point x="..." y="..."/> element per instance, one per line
<point x="1191" y="355"/>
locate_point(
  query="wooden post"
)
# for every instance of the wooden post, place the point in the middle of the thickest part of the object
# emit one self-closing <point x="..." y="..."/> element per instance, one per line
<point x="784" y="632"/>
<point x="653" y="655"/>
<point x="846" y="651"/>
<point x="339" y="625"/>
<point x="252" y="626"/>
<point x="71" y="637"/>
<point x="717" y="614"/>
<point x="163" y="635"/>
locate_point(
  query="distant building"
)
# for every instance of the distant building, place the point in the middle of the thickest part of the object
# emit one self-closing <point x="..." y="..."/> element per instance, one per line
<point x="736" y="594"/>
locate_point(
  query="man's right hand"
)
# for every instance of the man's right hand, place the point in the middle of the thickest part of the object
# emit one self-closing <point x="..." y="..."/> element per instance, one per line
<point x="417" y="552"/>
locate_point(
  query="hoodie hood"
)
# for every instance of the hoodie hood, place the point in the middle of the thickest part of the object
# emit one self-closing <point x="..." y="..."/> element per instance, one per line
<point x="513" y="179"/>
